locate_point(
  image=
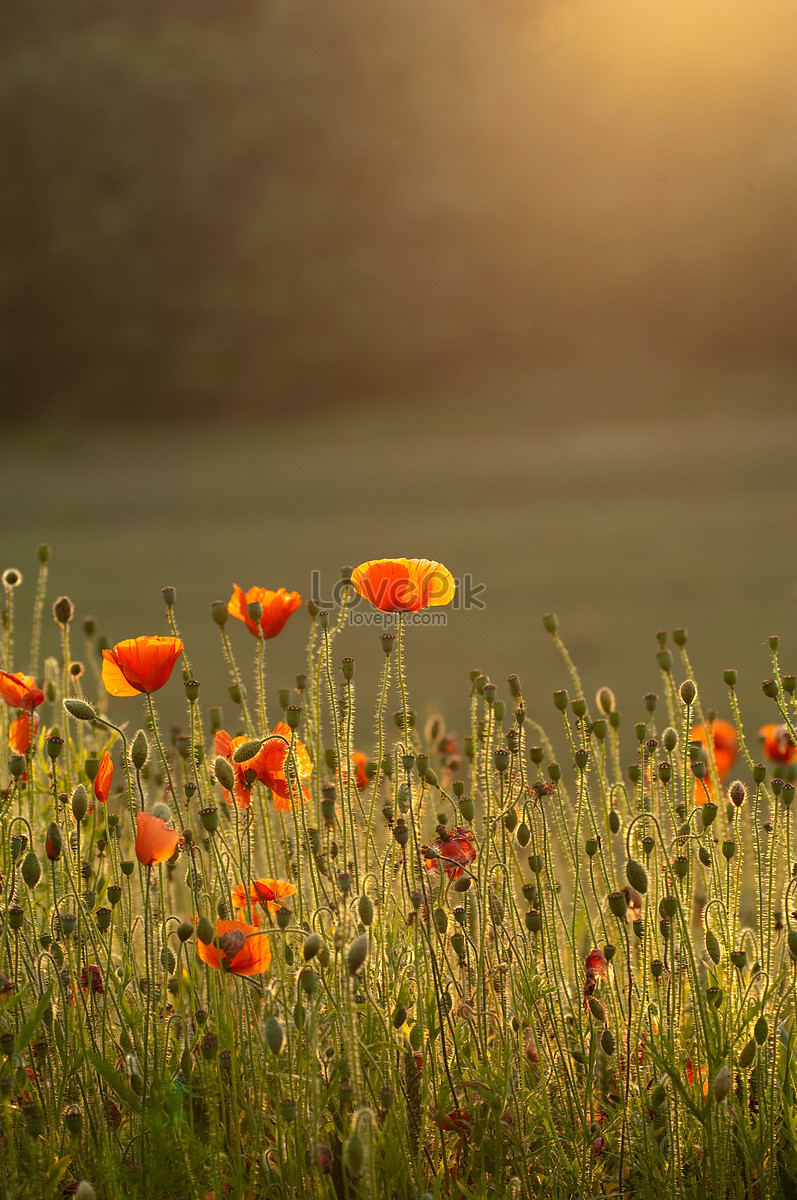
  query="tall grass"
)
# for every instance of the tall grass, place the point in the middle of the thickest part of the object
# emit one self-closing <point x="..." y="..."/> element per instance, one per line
<point x="551" y="955"/>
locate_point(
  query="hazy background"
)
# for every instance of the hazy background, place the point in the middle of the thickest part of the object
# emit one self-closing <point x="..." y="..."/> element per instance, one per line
<point x="510" y="284"/>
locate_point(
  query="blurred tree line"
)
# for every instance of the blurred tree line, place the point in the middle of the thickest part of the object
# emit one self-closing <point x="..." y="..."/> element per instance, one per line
<point x="231" y="206"/>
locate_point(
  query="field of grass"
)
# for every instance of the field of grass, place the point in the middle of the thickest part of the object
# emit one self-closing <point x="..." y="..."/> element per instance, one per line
<point x="628" y="502"/>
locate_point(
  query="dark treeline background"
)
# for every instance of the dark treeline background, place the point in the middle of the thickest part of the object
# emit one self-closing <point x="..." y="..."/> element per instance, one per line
<point x="241" y="205"/>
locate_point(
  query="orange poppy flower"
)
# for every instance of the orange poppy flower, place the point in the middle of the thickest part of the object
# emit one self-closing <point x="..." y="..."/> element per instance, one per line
<point x="359" y="762"/>
<point x="267" y="766"/>
<point x="19" y="691"/>
<point x="778" y="744"/>
<point x="277" y="607"/>
<point x="268" y="893"/>
<point x="141" y="664"/>
<point x="403" y="584"/>
<point x="456" y="849"/>
<point x="103" y="778"/>
<point x="155" y="841"/>
<point x="725" y="743"/>
<point x="244" y="950"/>
<point x="19" y="733"/>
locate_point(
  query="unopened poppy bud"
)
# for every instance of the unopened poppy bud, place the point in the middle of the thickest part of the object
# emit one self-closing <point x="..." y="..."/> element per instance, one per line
<point x="688" y="692"/>
<point x="747" y="1056"/>
<point x="607" y="1042"/>
<point x="53" y="844"/>
<point x="467" y="809"/>
<point x="63" y="610"/>
<point x="31" y="869"/>
<point x="550" y="623"/>
<point x="209" y="818"/>
<point x="185" y="931"/>
<point x="139" y="751"/>
<point x="597" y="1010"/>
<point x="761" y="1030"/>
<point x="722" y="1084"/>
<point x="614" y="821"/>
<point x="737" y="793"/>
<point x="204" y="931"/>
<point x="514" y="685"/>
<point x="713" y="947"/>
<point x="591" y="847"/>
<point x="80" y="710"/>
<point x="605" y="700"/>
<point x="357" y="954"/>
<point x="523" y="835"/>
<point x="365" y="908"/>
<point x="274" y="1035"/>
<point x="354" y="1154"/>
<point x="293" y="715"/>
<point x="636" y="875"/>
<point x="80" y="802"/>
<point x="224" y="773"/>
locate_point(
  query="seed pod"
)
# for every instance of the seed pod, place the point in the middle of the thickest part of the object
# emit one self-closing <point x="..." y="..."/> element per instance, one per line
<point x="357" y="954"/>
<point x="713" y="947"/>
<point x="273" y="1034"/>
<point x="618" y="905"/>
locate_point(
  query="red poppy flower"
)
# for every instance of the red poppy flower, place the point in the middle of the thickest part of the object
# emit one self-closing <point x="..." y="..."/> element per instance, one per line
<point x="359" y="762"/>
<point x="155" y="841"/>
<point x="19" y="733"/>
<point x="103" y="778"/>
<point x="596" y="964"/>
<point x="456" y="849"/>
<point x="243" y="949"/>
<point x="268" y="893"/>
<point x="277" y="607"/>
<point x="267" y="766"/>
<point x="725" y="743"/>
<point x="403" y="584"/>
<point x="778" y="744"/>
<point x="19" y="691"/>
<point x="141" y="664"/>
<point x="91" y="979"/>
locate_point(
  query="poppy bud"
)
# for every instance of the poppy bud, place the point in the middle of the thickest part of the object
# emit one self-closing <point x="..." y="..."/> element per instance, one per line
<point x="139" y="751"/>
<point x="185" y="931"/>
<point x="514" y="685"/>
<point x="688" y="692"/>
<point x="722" y="1084"/>
<point x="31" y="869"/>
<point x="614" y="821"/>
<point x="357" y="954"/>
<point x="354" y="1154"/>
<point x="80" y="710"/>
<point x="224" y="773"/>
<point x="747" y="1056"/>
<point x="365" y="909"/>
<point x="606" y="700"/>
<point x="704" y="856"/>
<point x="80" y="802"/>
<point x="550" y="623"/>
<point x="273" y="1034"/>
<point x="761" y="1030"/>
<point x="597" y="1010"/>
<point x="54" y="843"/>
<point x="204" y="931"/>
<point x="283" y="918"/>
<point x="607" y="1042"/>
<point x="728" y="850"/>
